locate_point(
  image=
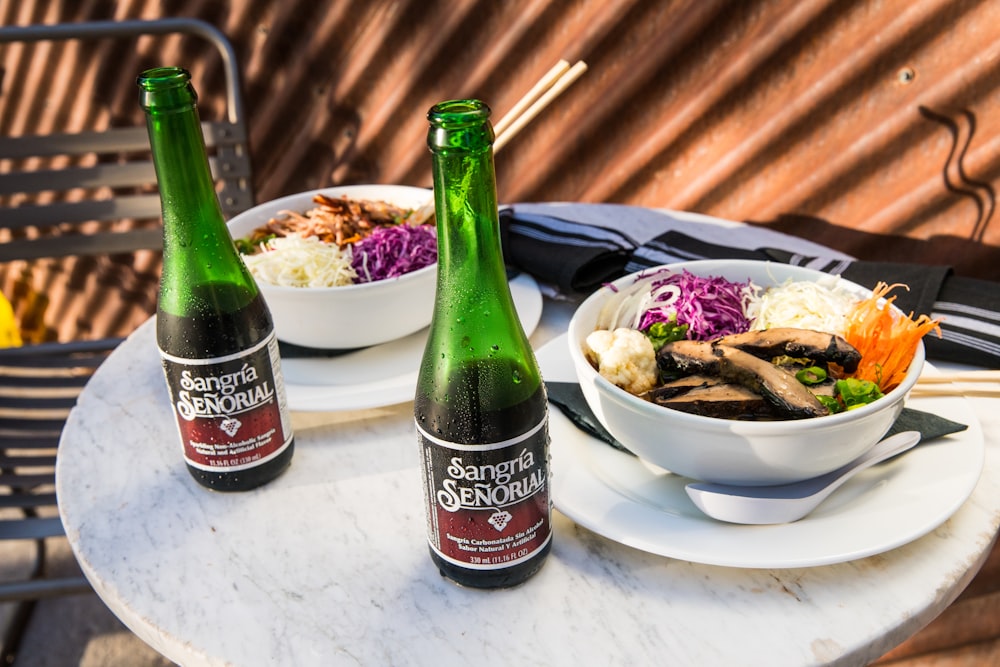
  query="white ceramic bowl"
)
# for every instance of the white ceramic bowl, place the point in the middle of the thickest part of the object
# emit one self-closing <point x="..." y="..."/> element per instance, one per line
<point x="723" y="450"/>
<point x="352" y="315"/>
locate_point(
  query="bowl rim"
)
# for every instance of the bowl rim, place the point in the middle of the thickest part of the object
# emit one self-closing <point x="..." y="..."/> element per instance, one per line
<point x="647" y="408"/>
<point x="283" y="202"/>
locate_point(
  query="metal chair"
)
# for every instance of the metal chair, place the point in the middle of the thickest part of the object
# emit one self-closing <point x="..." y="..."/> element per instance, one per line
<point x="94" y="194"/>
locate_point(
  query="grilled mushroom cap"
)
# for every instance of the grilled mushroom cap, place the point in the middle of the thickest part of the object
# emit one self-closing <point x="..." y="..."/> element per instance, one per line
<point x="787" y="397"/>
<point x="815" y="345"/>
<point x="778" y="387"/>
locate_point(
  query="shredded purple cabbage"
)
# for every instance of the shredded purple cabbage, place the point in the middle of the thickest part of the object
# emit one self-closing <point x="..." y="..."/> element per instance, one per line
<point x="391" y="251"/>
<point x="711" y="307"/>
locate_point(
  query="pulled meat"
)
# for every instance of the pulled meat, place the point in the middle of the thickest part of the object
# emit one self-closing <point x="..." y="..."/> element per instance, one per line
<point x="334" y="220"/>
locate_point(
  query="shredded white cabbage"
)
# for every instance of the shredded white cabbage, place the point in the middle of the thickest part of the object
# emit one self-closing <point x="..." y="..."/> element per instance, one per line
<point x="822" y="305"/>
<point x="625" y="307"/>
<point x="296" y="261"/>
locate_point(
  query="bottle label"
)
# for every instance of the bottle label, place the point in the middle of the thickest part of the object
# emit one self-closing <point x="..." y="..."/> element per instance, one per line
<point x="488" y="504"/>
<point x="231" y="411"/>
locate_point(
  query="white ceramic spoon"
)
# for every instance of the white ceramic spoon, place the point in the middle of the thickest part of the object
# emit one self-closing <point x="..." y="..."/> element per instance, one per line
<point x="785" y="503"/>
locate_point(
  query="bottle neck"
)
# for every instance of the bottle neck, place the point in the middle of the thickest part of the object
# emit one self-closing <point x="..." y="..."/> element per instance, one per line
<point x="186" y="186"/>
<point x="467" y="222"/>
<point x="187" y="190"/>
<point x="202" y="270"/>
<point x="461" y="142"/>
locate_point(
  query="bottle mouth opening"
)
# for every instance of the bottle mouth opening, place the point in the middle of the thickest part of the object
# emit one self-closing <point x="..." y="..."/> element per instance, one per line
<point x="460" y="126"/>
<point x="456" y="114"/>
<point x="160" y="77"/>
<point x="166" y="90"/>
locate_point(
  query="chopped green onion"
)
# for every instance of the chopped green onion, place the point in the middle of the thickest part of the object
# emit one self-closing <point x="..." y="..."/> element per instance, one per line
<point x="830" y="403"/>
<point x="854" y="393"/>
<point x="811" y="375"/>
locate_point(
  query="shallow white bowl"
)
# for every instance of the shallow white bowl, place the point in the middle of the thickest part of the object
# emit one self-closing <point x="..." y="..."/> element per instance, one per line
<point x="723" y="450"/>
<point x="353" y="315"/>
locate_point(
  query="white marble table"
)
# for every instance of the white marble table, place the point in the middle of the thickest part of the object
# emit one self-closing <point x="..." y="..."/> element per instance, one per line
<point x="328" y="565"/>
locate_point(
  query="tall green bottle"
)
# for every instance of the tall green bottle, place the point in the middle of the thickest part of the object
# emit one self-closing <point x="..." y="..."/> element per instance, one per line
<point x="213" y="328"/>
<point x="480" y="407"/>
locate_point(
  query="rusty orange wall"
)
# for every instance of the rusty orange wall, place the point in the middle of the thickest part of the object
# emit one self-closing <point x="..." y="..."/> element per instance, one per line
<point x="872" y="127"/>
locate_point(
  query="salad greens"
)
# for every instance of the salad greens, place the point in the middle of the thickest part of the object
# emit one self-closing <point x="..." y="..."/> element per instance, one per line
<point x="849" y="394"/>
<point x="662" y="332"/>
<point x="855" y="393"/>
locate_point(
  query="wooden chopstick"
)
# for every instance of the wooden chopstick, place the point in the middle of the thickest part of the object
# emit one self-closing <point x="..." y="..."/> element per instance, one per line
<point x="953" y="390"/>
<point x="960" y="376"/>
<point x="546" y="82"/>
<point x="549" y="87"/>
<point x="959" y="383"/>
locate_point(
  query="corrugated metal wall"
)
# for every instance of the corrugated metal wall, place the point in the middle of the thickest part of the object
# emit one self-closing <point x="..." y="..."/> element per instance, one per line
<point x="869" y="126"/>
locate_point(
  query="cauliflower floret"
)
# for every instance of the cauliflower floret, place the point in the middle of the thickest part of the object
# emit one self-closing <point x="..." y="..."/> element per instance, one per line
<point x="625" y="357"/>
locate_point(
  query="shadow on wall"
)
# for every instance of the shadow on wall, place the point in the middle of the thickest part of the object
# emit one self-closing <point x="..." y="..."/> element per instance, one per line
<point x="956" y="180"/>
<point x="974" y="257"/>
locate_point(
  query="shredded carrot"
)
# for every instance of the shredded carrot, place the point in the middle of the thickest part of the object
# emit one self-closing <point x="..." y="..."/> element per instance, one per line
<point x="886" y="339"/>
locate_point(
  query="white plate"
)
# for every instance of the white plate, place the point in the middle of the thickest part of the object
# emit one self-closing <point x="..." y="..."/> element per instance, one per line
<point x="625" y="500"/>
<point x="383" y="374"/>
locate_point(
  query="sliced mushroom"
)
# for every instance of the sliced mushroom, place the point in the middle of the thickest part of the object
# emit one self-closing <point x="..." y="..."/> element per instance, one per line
<point x="682" y="385"/>
<point x="687" y="357"/>
<point x="715" y="398"/>
<point x="815" y="345"/>
<point x="791" y="398"/>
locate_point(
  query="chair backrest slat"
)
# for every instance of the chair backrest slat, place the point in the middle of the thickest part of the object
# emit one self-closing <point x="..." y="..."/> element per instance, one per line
<point x="31" y="529"/>
<point x="28" y="500"/>
<point x="116" y="158"/>
<point x="49" y="145"/>
<point x="138" y="207"/>
<point x="112" y="175"/>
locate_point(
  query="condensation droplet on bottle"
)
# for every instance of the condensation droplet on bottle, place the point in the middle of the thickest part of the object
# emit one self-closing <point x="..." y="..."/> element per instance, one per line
<point x="516" y="376"/>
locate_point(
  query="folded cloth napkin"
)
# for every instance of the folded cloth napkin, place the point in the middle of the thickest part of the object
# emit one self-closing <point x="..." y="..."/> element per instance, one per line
<point x="577" y="247"/>
<point x="568" y="397"/>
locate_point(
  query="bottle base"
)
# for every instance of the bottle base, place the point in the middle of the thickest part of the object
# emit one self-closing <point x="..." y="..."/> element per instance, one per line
<point x="505" y="578"/>
<point x="244" y="480"/>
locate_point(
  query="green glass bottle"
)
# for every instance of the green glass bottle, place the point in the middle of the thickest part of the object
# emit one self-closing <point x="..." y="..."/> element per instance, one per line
<point x="213" y="328"/>
<point x="480" y="407"/>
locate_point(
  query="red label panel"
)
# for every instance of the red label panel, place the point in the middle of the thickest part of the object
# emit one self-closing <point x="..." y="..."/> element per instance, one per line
<point x="230" y="412"/>
<point x="488" y="505"/>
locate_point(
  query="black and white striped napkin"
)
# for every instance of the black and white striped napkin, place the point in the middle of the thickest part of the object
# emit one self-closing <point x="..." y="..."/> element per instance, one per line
<point x="574" y="248"/>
